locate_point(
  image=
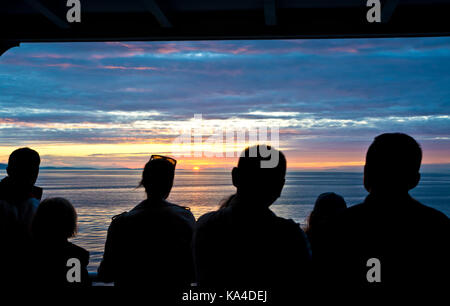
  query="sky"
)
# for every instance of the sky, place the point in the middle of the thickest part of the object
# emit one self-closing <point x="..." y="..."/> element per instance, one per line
<point x="113" y="104"/>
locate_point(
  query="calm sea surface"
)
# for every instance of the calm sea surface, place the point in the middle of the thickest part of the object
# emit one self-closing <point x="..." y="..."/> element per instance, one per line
<point x="100" y="194"/>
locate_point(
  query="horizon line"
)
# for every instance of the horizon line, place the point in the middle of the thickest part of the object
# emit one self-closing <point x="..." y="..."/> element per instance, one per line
<point x="344" y="168"/>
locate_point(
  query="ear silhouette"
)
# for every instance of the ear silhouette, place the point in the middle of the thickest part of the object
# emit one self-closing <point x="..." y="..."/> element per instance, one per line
<point x="414" y="181"/>
<point x="279" y="189"/>
<point x="366" y="179"/>
<point x="235" y="177"/>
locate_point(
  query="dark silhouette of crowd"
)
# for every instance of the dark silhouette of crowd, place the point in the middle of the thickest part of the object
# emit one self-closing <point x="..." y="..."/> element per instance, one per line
<point x="388" y="240"/>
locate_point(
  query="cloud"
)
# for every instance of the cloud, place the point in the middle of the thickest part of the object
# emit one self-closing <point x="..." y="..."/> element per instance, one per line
<point x="315" y="90"/>
<point x="127" y="68"/>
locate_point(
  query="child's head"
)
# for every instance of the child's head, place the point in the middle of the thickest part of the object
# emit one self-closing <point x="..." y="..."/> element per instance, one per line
<point x="55" y="219"/>
<point x="327" y="205"/>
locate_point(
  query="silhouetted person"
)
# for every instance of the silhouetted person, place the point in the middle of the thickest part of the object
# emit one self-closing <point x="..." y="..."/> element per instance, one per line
<point x="327" y="206"/>
<point x="409" y="239"/>
<point x="244" y="244"/>
<point x="55" y="222"/>
<point x="150" y="246"/>
<point x="19" y="199"/>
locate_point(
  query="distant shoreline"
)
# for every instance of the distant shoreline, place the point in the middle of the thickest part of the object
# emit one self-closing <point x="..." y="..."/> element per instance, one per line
<point x="426" y="168"/>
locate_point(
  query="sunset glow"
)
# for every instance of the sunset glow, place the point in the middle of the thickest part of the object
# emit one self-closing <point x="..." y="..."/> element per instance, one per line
<point x="113" y="105"/>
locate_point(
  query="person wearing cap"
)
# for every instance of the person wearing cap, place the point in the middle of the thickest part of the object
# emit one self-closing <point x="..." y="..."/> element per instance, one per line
<point x="150" y="246"/>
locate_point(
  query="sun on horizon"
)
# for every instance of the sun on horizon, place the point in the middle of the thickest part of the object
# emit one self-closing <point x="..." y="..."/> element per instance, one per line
<point x="326" y="117"/>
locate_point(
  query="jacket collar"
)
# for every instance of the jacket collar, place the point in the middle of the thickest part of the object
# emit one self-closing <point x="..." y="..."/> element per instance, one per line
<point x="13" y="193"/>
<point x="391" y="200"/>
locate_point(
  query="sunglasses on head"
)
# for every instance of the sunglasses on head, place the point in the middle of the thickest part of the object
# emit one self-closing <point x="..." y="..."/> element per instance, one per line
<point x="169" y="159"/>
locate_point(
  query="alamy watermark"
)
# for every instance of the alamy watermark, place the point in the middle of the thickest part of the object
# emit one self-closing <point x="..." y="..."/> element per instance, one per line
<point x="373" y="14"/>
<point x="201" y="139"/>
<point x="74" y="12"/>
<point x="373" y="275"/>
<point x="73" y="274"/>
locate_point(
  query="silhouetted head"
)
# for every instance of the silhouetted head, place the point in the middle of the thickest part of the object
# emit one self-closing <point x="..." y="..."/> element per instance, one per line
<point x="327" y="205"/>
<point x="158" y="175"/>
<point x="260" y="175"/>
<point x="392" y="164"/>
<point x="23" y="166"/>
<point x="55" y="220"/>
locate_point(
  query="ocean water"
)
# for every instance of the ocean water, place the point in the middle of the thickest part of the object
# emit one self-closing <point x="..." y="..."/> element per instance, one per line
<point x="98" y="195"/>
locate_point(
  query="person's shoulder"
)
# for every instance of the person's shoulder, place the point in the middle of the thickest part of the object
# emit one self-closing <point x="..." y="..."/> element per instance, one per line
<point x="352" y="213"/>
<point x="355" y="209"/>
<point x="206" y="218"/>
<point x="76" y="249"/>
<point x="288" y="224"/>
<point x="126" y="215"/>
<point x="78" y="252"/>
<point x="284" y="221"/>
<point x="430" y="213"/>
<point x="213" y="217"/>
<point x="179" y="209"/>
<point x="119" y="218"/>
<point x="291" y="232"/>
<point x="118" y="222"/>
<point x="182" y="213"/>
